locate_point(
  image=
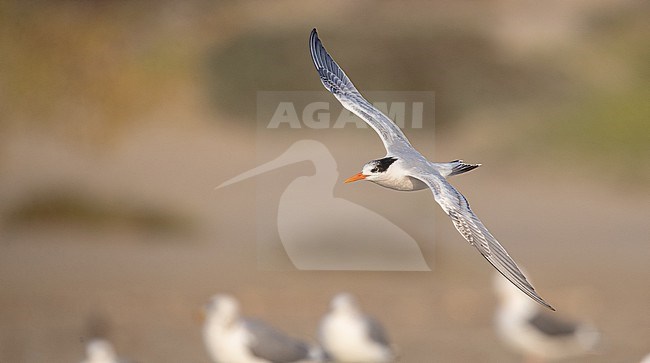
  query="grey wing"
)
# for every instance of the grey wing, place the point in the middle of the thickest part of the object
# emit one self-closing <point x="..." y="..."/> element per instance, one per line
<point x="376" y="331"/>
<point x="551" y="325"/>
<point x="273" y="345"/>
<point x="335" y="81"/>
<point x="473" y="230"/>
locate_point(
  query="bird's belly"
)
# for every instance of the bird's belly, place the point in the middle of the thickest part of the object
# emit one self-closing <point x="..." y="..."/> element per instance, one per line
<point x="347" y="341"/>
<point x="230" y="345"/>
<point x="406" y="184"/>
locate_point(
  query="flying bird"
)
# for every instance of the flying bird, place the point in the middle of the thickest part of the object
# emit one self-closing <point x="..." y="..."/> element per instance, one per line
<point x="540" y="336"/>
<point x="230" y="338"/>
<point x="404" y="168"/>
<point x="348" y="335"/>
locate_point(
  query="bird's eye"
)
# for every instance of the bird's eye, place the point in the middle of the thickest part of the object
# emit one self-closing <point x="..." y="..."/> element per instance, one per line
<point x="373" y="170"/>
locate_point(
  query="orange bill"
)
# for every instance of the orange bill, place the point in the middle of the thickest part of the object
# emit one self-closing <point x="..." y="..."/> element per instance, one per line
<point x="355" y="177"/>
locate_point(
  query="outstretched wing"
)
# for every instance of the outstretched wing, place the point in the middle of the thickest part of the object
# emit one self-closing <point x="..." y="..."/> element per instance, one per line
<point x="473" y="230"/>
<point x="335" y="81"/>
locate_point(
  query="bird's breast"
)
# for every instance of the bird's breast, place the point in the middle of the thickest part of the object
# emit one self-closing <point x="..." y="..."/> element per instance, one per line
<point x="405" y="184"/>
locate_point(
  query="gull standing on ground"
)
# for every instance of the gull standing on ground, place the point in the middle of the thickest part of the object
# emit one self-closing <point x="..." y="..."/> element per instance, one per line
<point x="348" y="335"/>
<point x="404" y="168"/>
<point x="534" y="332"/>
<point x="230" y="338"/>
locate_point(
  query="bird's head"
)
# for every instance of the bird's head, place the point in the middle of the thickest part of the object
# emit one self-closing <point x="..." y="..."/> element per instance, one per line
<point x="222" y="308"/>
<point x="344" y="303"/>
<point x="374" y="170"/>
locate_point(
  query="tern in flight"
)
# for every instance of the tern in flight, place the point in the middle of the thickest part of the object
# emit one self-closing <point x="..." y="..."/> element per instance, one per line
<point x="404" y="168"/>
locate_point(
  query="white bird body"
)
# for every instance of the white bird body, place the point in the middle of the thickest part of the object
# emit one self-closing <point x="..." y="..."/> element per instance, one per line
<point x="229" y="343"/>
<point x="404" y="168"/>
<point x="347" y="335"/>
<point x="100" y="351"/>
<point x="348" y="341"/>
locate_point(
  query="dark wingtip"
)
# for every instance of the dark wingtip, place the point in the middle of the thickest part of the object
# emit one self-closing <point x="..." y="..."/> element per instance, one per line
<point x="313" y="36"/>
<point x="546" y="305"/>
<point x="531" y="293"/>
<point x="314" y="46"/>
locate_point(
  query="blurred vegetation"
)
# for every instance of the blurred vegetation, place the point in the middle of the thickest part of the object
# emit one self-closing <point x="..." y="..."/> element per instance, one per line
<point x="463" y="67"/>
<point x="606" y="125"/>
<point x="64" y="208"/>
<point x="611" y="132"/>
<point x="86" y="71"/>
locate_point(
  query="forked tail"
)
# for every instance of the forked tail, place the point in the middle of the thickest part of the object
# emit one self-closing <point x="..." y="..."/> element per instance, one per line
<point x="456" y="167"/>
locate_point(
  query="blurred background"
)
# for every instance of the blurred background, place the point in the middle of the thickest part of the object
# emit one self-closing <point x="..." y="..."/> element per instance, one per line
<point x="118" y="119"/>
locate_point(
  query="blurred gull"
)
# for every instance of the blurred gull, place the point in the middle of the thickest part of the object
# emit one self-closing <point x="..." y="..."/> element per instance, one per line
<point x="536" y="333"/>
<point x="101" y="351"/>
<point x="348" y="335"/>
<point x="230" y="338"/>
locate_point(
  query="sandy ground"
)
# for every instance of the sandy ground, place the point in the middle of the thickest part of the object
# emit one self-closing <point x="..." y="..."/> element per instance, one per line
<point x="584" y="243"/>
